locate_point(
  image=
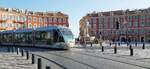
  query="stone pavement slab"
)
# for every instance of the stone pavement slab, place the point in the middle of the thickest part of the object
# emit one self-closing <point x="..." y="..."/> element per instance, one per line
<point x="13" y="61"/>
<point x="108" y="54"/>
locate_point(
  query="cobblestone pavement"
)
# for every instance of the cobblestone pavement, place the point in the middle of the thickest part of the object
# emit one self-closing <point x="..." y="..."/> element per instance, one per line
<point x="13" y="61"/>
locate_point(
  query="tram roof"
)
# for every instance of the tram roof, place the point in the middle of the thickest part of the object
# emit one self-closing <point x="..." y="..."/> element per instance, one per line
<point x="23" y="30"/>
<point x="7" y="31"/>
<point x="50" y="28"/>
<point x="37" y="29"/>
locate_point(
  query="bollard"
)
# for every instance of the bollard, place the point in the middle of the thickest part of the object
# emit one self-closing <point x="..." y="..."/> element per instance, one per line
<point x="39" y="64"/>
<point x="14" y="49"/>
<point x="91" y="44"/>
<point x="22" y="52"/>
<point x="110" y="44"/>
<point x="48" y="67"/>
<point x="17" y="51"/>
<point x="143" y="47"/>
<point x="102" y="48"/>
<point x="131" y="52"/>
<point x="27" y="55"/>
<point x="115" y="49"/>
<point x="32" y="58"/>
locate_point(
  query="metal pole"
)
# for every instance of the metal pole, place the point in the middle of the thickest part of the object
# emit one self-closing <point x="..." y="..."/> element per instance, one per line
<point x="33" y="59"/>
<point x="48" y="67"/>
<point x="39" y="64"/>
<point x="115" y="50"/>
<point x="102" y="48"/>
<point x="22" y="52"/>
<point x="27" y="55"/>
<point x="131" y="52"/>
<point x="17" y="51"/>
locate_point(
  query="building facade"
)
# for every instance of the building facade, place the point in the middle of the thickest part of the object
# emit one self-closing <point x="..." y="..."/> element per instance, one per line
<point x="11" y="19"/>
<point x="120" y="25"/>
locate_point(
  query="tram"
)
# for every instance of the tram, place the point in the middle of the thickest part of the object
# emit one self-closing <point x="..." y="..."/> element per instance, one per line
<point x="54" y="37"/>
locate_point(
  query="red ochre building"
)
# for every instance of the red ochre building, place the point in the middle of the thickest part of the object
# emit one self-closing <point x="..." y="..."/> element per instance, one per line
<point x="119" y="25"/>
<point x="11" y="19"/>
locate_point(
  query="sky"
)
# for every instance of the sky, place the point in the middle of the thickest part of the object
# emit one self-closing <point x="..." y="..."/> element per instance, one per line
<point x="76" y="9"/>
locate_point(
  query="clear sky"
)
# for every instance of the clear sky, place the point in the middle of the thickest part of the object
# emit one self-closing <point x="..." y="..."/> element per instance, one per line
<point x="76" y="9"/>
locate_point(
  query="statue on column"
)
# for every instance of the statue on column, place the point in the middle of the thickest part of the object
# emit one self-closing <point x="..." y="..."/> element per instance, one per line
<point x="100" y="40"/>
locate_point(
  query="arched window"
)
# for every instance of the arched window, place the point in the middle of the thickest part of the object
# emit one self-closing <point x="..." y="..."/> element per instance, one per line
<point x="40" y="19"/>
<point x="45" y="19"/>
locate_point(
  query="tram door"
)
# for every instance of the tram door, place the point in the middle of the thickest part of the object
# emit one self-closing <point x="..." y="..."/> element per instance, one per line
<point x="55" y="36"/>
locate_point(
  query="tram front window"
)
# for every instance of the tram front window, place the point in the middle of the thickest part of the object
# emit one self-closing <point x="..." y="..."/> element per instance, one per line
<point x="68" y="36"/>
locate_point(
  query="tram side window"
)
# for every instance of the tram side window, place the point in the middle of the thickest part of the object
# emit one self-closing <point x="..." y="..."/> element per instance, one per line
<point x="40" y="37"/>
<point x="4" y="38"/>
<point x="0" y="38"/>
<point x="7" y="38"/>
<point x="28" y="38"/>
<point x="19" y="38"/>
<point x="37" y="37"/>
<point x="16" y="38"/>
<point x="22" y="38"/>
<point x="49" y="37"/>
<point x="44" y="37"/>
<point x="58" y="37"/>
<point x="24" y="35"/>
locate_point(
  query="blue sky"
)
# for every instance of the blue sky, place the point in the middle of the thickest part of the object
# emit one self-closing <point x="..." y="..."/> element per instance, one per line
<point x="76" y="9"/>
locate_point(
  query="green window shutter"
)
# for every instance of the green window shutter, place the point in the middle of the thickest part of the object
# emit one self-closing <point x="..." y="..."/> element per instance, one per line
<point x="136" y="31"/>
<point x="142" y="24"/>
<point x="135" y="24"/>
<point x="23" y="26"/>
<point x="129" y="24"/>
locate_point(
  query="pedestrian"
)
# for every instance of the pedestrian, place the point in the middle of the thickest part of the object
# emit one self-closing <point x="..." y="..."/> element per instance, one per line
<point x="119" y="43"/>
<point x="127" y="43"/>
<point x="136" y="44"/>
<point x="91" y="43"/>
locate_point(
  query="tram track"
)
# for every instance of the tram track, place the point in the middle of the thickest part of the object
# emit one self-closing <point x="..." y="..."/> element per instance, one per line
<point x="111" y="59"/>
<point x="62" y="55"/>
<point x="69" y="58"/>
<point x="60" y="65"/>
<point x="88" y="55"/>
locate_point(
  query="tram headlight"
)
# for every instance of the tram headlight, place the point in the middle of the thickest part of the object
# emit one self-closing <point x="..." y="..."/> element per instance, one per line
<point x="70" y="43"/>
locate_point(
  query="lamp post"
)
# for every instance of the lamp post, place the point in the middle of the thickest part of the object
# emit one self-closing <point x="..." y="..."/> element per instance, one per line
<point x="125" y="30"/>
<point x="34" y="27"/>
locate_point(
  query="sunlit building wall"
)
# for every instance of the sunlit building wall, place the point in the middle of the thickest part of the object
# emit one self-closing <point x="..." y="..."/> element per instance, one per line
<point x="11" y="18"/>
<point x="121" y="25"/>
